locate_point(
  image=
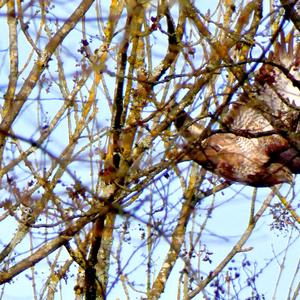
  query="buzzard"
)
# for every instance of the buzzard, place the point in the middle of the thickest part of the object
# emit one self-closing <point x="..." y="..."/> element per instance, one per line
<point x="259" y="145"/>
<point x="236" y="158"/>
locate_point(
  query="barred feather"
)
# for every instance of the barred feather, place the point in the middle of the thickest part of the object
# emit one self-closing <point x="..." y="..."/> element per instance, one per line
<point x="272" y="104"/>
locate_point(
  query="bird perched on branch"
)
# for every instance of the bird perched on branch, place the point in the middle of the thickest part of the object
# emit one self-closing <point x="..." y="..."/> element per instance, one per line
<point x="259" y="147"/>
<point x="236" y="158"/>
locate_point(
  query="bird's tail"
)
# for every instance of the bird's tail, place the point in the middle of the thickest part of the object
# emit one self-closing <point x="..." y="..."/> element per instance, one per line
<point x="285" y="52"/>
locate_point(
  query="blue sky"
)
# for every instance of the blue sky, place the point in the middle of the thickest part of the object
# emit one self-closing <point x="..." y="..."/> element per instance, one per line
<point x="231" y="208"/>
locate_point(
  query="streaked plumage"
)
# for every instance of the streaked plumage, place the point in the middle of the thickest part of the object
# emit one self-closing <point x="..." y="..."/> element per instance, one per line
<point x="271" y="104"/>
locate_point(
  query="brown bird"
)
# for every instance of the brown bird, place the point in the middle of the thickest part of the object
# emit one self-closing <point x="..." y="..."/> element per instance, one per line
<point x="248" y="153"/>
<point x="273" y="104"/>
<point x="236" y="158"/>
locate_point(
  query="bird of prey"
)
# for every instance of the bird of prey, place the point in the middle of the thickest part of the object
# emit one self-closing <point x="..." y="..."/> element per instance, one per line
<point x="259" y="146"/>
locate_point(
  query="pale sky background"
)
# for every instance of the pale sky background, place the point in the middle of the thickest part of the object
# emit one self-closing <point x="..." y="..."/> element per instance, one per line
<point x="229" y="218"/>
